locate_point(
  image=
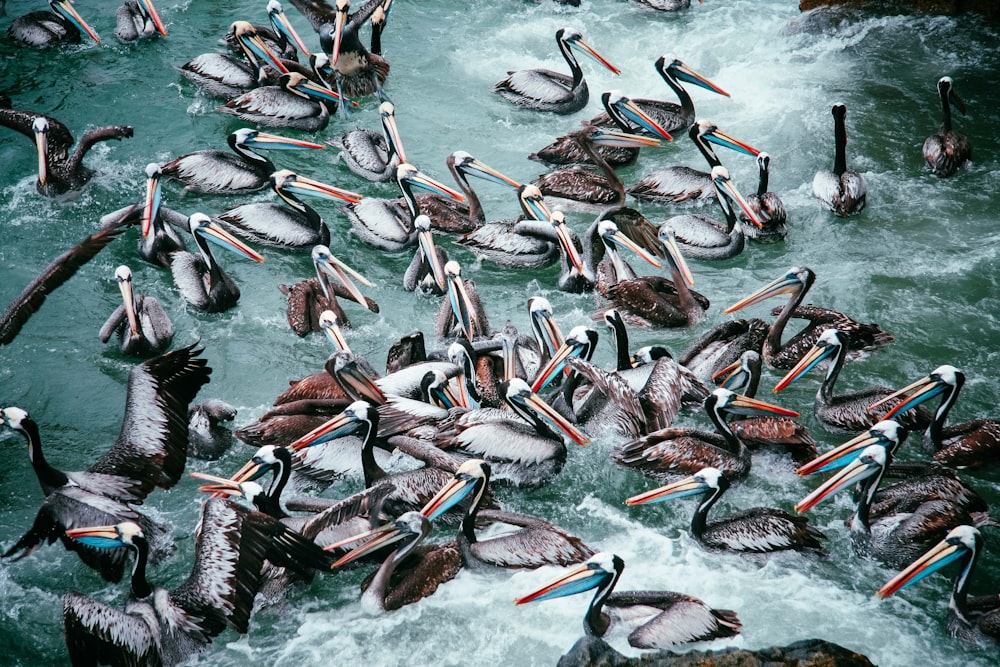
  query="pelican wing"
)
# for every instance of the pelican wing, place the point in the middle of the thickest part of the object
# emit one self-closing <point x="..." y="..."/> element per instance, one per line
<point x="683" y="619"/>
<point x="539" y="543"/>
<point x="674" y="184"/>
<point x="763" y="530"/>
<point x="60" y="139"/>
<point x="320" y="13"/>
<point x="271" y="102"/>
<point x="535" y="84"/>
<point x="99" y="634"/>
<point x="508" y="441"/>
<point x="58" y="272"/>
<point x="152" y="445"/>
<point x="628" y="415"/>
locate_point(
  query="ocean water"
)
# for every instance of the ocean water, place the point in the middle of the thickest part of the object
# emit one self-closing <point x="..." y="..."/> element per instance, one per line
<point x="920" y="260"/>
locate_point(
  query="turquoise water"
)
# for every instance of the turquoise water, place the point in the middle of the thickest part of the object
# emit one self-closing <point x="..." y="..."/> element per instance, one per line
<point x="919" y="261"/>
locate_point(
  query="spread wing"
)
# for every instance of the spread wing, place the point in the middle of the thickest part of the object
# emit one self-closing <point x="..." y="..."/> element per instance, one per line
<point x="99" y="634"/>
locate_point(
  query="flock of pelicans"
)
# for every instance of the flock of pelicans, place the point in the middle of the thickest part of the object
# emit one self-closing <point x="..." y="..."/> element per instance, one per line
<point x="491" y="406"/>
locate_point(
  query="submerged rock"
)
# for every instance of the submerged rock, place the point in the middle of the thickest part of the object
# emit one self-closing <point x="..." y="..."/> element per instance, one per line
<point x="949" y="7"/>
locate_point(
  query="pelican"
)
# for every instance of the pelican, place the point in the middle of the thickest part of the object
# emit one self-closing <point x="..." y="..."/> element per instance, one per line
<point x="138" y="19"/>
<point x="434" y="565"/>
<point x="59" y="171"/>
<point x="973" y="444"/>
<point x="243" y="170"/>
<point x="459" y="217"/>
<point x="674" y="185"/>
<point x="61" y="25"/>
<point x="537" y="543"/>
<point x="757" y="530"/>
<point x="947" y="150"/>
<point x="55" y="274"/>
<point x="280" y="38"/>
<point x="585" y="187"/>
<point x="202" y="282"/>
<point x="545" y="90"/>
<point x="426" y="269"/>
<point x="580" y="342"/>
<point x="842" y="190"/>
<point x="296" y="226"/>
<point x="223" y="76"/>
<point x="165" y="627"/>
<point x="553" y="232"/>
<point x="518" y="243"/>
<point x="864" y="338"/>
<point x="143" y="327"/>
<point x="722" y="345"/>
<point x="767" y="207"/>
<point x="462" y="312"/>
<point x="899" y="537"/>
<point x="654" y="619"/>
<point x="207" y="439"/>
<point x="787" y="435"/>
<point x="357" y="71"/>
<point x="309" y="299"/>
<point x="371" y="155"/>
<point x="670" y="453"/>
<point x="294" y="102"/>
<point x="849" y="412"/>
<point x="975" y="620"/>
<point x="604" y="266"/>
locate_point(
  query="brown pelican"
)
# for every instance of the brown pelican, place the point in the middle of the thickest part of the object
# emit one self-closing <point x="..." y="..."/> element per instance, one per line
<point x="55" y="274"/>
<point x="896" y="538"/>
<point x="280" y="38"/>
<point x="151" y="451"/>
<point x="372" y="155"/>
<point x="138" y="19"/>
<point x="202" y="282"/>
<point x="207" y="438"/>
<point x="58" y="171"/>
<point x="604" y="266"/>
<point x="223" y="76"/>
<point x="849" y="412"/>
<point x="433" y="566"/>
<point x="143" y="327"/>
<point x="975" y="620"/>
<point x="461" y="313"/>
<point x="580" y="342"/>
<point x="973" y="444"/>
<point x="757" y="530"/>
<point x="426" y="269"/>
<point x="722" y="345"/>
<point x="670" y="116"/>
<point x="294" y="102"/>
<point x="670" y="453"/>
<point x="585" y="187"/>
<point x="679" y="184"/>
<point x="796" y="282"/>
<point x="767" y="207"/>
<point x="309" y="299"/>
<point x="518" y="243"/>
<point x="545" y="90"/>
<point x="41" y="28"/>
<point x="296" y="226"/>
<point x="537" y="543"/>
<point x="947" y="150"/>
<point x="786" y="435"/>
<point x="842" y="190"/>
<point x="243" y="170"/>
<point x="655" y="619"/>
<point x="461" y="217"/>
<point x="165" y="627"/>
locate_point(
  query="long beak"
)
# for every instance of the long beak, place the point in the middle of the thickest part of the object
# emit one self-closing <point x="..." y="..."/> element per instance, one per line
<point x="280" y="22"/>
<point x="461" y="305"/>
<point x="389" y="121"/>
<point x="625" y="242"/>
<point x="343" y="273"/>
<point x="577" y="580"/>
<point x="677" y="257"/>
<point x="425" y="238"/>
<point x="854" y="472"/>
<point x="632" y="111"/>
<point x="730" y="376"/>
<point x="128" y="296"/>
<point x="533" y="203"/>
<point x="923" y="389"/>
<point x="566" y="241"/>
<point x="154" y="196"/>
<point x="328" y="322"/>
<point x="556" y="420"/>
<point x="255" y="45"/>
<point x="744" y="405"/>
<point x="783" y="285"/>
<point x="548" y="330"/>
<point x="480" y="170"/>
<point x="375" y="539"/>
<point x="452" y="493"/>
<point x="70" y="13"/>
<point x="729" y="189"/>
<point x="688" y="75"/>
<point x="840" y="456"/>
<point x="689" y="486"/>
<point x="101" y="537"/>
<point x="556" y="364"/>
<point x="360" y="385"/>
<point x="586" y="48"/>
<point x="332" y="429"/>
<point x="273" y="142"/>
<point x="338" y="36"/>
<point x="219" y="485"/>
<point x="720" y="138"/>
<point x="316" y="91"/>
<point x="941" y="554"/>
<point x="308" y="187"/>
<point x="154" y="16"/>
<point x="425" y="182"/>
<point x="250" y="470"/>
<point x="221" y="237"/>
<point x="816" y="354"/>
<point x="42" y="144"/>
<point x="623" y="139"/>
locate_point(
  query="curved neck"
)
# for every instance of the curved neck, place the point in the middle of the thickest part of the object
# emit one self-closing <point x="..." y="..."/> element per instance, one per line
<point x="825" y="392"/>
<point x="935" y="433"/>
<point x="868" y="489"/>
<point x="700" y="519"/>
<point x="595" y="623"/>
<point x="574" y="66"/>
<point x="476" y="214"/>
<point x="960" y="591"/>
<point x="372" y="470"/>
<point x="141" y="587"/>
<point x="945" y="111"/>
<point x="468" y="528"/>
<point x="244" y="151"/>
<point x="409" y="198"/>
<point x="736" y="446"/>
<point x="311" y="216"/>
<point x="682" y="95"/>
<point x="762" y="181"/>
<point x="840" y="137"/>
<point x="703" y="147"/>
<point x="623" y="361"/>
<point x="778" y="326"/>
<point x="270" y="501"/>
<point x="48" y="477"/>
<point x="614" y="182"/>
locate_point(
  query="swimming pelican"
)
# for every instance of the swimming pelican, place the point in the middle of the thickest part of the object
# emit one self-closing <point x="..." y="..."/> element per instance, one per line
<point x="864" y="338"/>
<point x="138" y="19"/>
<point x="280" y="38"/>
<point x="461" y="217"/>
<point x="545" y="90"/>
<point x="975" y="620"/>
<point x="207" y="438"/>
<point x="537" y="543"/>
<point x="294" y="102"/>
<point x="294" y="226"/>
<point x="674" y="185"/>
<point x="58" y="171"/>
<point x="722" y="345"/>
<point x="518" y="243"/>
<point x="223" y="76"/>
<point x="55" y="274"/>
<point x="165" y="627"/>
<point x="757" y="530"/>
<point x="143" y="327"/>
<point x="580" y="342"/>
<point x="426" y="269"/>
<point x="372" y="155"/>
<point x="767" y="207"/>
<point x="243" y="170"/>
<point x="973" y="444"/>
<point x="309" y="299"/>
<point x="42" y="28"/>
<point x="947" y="150"/>
<point x="672" y="452"/>
<point x="656" y="619"/>
<point x="842" y="190"/>
<point x="202" y="282"/>
<point x="461" y="312"/>
<point x="849" y="412"/>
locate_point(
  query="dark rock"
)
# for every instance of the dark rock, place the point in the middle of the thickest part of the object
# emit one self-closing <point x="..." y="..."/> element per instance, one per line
<point x="989" y="8"/>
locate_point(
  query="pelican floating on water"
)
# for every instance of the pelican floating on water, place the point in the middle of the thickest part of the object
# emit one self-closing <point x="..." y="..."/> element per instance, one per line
<point x="767" y="207"/>
<point x="842" y="190"/>
<point x="656" y="619"/>
<point x="358" y="72"/>
<point x="223" y="76"/>
<point x="545" y="90"/>
<point x="143" y="327"/>
<point x="61" y="25"/>
<point x="138" y="19"/>
<point x="518" y="243"/>
<point x="309" y="299"/>
<point x="947" y="150"/>
<point x="372" y="155"/>
<point x="294" y="102"/>
<point x="460" y="217"/>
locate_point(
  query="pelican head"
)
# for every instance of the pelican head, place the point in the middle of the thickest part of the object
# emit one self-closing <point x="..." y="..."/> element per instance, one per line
<point x="465" y="163"/>
<point x="202" y="226"/>
<point x="281" y="25"/>
<point x="599" y="571"/>
<point x="543" y="325"/>
<point x="123" y="534"/>
<point x="425" y="239"/>
<point x="795" y="281"/>
<point x="887" y="433"/>
<point x="829" y="343"/>
<point x="706" y="479"/>
<point x="328" y="265"/>
<point x="674" y="68"/>
<point x="629" y="113"/>
<point x="534" y="410"/>
<point x="41" y="128"/>
<point x="960" y="542"/>
<point x="461" y="304"/>
<point x="943" y="378"/>
<point x="724" y="189"/>
<point x="580" y="342"/>
<point x="355" y="417"/>
<point x="410" y="525"/>
<point x="328" y="323"/>
<point x="123" y="276"/>
<point x="567" y="38"/>
<point x="533" y="203"/>
<point x="471" y="478"/>
<point x="871" y="461"/>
